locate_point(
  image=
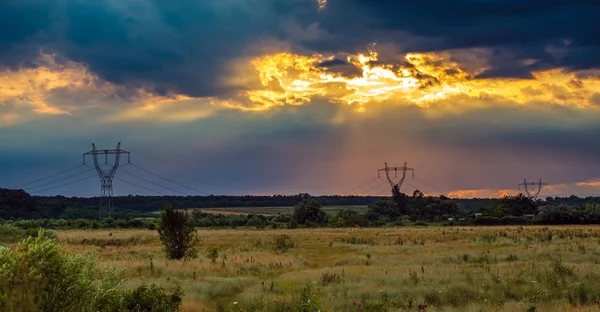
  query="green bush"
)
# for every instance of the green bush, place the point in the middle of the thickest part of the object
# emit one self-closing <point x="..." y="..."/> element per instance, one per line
<point x="293" y="224"/>
<point x="283" y="242"/>
<point x="177" y="232"/>
<point x="11" y="233"/>
<point x="39" y="275"/>
<point x="152" y="299"/>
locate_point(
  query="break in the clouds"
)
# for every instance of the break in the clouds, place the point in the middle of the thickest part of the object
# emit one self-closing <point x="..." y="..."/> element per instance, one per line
<point x="303" y="95"/>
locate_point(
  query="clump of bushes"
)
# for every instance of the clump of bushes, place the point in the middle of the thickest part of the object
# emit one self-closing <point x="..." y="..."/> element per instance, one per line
<point x="283" y="242"/>
<point x="39" y="275"/>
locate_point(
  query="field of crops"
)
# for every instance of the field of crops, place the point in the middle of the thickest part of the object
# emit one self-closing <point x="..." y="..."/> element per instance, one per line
<point x="384" y="269"/>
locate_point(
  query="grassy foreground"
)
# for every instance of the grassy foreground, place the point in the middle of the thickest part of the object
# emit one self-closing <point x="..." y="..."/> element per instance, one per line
<point x="394" y="269"/>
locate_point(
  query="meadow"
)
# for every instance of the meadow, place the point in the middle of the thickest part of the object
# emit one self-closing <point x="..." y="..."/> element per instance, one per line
<point x="508" y="268"/>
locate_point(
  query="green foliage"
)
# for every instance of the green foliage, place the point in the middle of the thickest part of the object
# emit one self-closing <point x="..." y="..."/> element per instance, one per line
<point x="152" y="299"/>
<point x="213" y="254"/>
<point x="381" y="208"/>
<point x="486" y="220"/>
<point x="283" y="242"/>
<point x="256" y="221"/>
<point x="39" y="275"/>
<point x="563" y="214"/>
<point x="401" y="201"/>
<point x="130" y="241"/>
<point x="358" y="241"/>
<point x="293" y="223"/>
<point x="513" y="206"/>
<point x="309" y="210"/>
<point x="349" y="218"/>
<point x="10" y="233"/>
<point x="330" y="278"/>
<point x="177" y="233"/>
<point x="16" y="204"/>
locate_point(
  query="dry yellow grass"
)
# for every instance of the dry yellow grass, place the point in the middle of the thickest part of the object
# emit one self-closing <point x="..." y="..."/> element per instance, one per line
<point x="447" y="268"/>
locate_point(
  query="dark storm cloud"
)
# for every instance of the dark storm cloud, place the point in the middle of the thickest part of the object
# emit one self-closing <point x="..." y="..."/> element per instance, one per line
<point x="22" y="21"/>
<point x="173" y="46"/>
<point x="520" y="29"/>
<point x="162" y="45"/>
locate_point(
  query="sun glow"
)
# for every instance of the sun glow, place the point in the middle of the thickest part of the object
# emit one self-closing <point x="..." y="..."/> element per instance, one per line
<point x="418" y="79"/>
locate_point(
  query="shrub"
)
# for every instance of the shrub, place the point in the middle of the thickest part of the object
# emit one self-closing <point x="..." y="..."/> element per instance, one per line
<point x="293" y="224"/>
<point x="177" y="232"/>
<point x="485" y="220"/>
<point x="11" y="233"/>
<point x="153" y="299"/>
<point x="309" y="210"/>
<point x="213" y="254"/>
<point x="39" y="275"/>
<point x="283" y="242"/>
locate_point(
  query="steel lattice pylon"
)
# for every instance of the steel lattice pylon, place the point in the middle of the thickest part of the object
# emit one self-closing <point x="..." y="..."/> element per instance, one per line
<point x="532" y="196"/>
<point x="106" y="177"/>
<point x="395" y="169"/>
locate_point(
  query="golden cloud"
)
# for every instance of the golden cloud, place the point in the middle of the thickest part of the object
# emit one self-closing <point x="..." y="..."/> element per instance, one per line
<point x="433" y="81"/>
<point x="33" y="86"/>
<point x="585" y="187"/>
<point x="418" y="79"/>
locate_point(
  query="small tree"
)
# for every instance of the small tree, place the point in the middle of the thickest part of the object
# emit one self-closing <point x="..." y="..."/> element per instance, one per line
<point x="401" y="201"/>
<point x="177" y="232"/>
<point x="309" y="210"/>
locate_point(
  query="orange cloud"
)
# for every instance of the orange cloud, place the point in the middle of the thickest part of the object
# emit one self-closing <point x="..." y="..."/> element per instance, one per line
<point x="584" y="188"/>
<point x="32" y="86"/>
<point x="433" y="81"/>
<point x="417" y="79"/>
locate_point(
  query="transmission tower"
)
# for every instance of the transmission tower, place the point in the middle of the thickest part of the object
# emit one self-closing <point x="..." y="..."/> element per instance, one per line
<point x="106" y="177"/>
<point x="395" y="169"/>
<point x="539" y="185"/>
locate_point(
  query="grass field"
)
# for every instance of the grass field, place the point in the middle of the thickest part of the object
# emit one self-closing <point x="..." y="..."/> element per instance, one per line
<point x="398" y="269"/>
<point x="271" y="210"/>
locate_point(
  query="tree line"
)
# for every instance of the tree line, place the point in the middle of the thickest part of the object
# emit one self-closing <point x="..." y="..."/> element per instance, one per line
<point x="78" y="212"/>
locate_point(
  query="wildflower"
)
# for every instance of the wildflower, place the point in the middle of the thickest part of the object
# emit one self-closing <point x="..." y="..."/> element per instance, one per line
<point x="235" y="303"/>
<point x="358" y="304"/>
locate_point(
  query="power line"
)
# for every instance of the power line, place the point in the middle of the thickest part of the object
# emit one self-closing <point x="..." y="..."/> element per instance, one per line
<point x="59" y="180"/>
<point x="169" y="180"/>
<point x="360" y="186"/>
<point x="379" y="185"/>
<point x="148" y="181"/>
<point x="147" y="189"/>
<point x="65" y="184"/>
<point x="432" y="187"/>
<point x="45" y="178"/>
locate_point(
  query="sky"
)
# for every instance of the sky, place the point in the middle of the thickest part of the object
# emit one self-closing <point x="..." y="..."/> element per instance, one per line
<point x="289" y="96"/>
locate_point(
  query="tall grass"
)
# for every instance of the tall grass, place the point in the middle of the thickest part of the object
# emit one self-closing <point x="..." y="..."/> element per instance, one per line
<point x="504" y="268"/>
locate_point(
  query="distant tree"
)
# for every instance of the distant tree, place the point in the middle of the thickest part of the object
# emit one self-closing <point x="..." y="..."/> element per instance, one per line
<point x="513" y="206"/>
<point x="349" y="217"/>
<point x="401" y="201"/>
<point x="16" y="204"/>
<point x="309" y="210"/>
<point x="177" y="233"/>
<point x="382" y="208"/>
